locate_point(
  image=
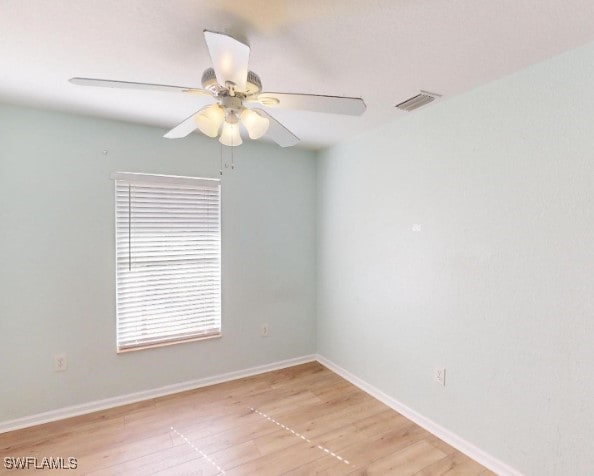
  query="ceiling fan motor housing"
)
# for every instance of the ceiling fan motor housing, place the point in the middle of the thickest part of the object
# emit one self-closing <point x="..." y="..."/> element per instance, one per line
<point x="253" y="84"/>
<point x="209" y="81"/>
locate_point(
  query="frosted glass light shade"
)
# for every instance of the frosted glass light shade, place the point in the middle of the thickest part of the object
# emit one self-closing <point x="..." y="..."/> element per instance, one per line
<point x="209" y="120"/>
<point x="230" y="135"/>
<point x="255" y="124"/>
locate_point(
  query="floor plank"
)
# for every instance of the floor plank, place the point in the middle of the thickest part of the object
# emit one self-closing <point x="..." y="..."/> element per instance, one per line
<point x="407" y="461"/>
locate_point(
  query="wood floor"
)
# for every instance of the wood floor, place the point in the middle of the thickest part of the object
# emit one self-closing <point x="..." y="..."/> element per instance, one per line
<point x="297" y="421"/>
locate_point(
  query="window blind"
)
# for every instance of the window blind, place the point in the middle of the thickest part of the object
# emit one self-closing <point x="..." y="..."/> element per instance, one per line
<point x="168" y="259"/>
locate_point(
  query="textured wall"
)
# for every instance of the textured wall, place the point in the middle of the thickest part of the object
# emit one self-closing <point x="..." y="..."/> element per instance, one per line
<point x="497" y="284"/>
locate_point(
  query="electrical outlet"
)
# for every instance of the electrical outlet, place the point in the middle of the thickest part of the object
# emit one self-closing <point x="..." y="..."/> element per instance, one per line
<point x="439" y="374"/>
<point x="60" y="363"/>
<point x="264" y="330"/>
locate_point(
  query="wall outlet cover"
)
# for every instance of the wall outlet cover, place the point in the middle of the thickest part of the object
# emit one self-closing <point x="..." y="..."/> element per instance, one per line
<point x="60" y="362"/>
<point x="439" y="375"/>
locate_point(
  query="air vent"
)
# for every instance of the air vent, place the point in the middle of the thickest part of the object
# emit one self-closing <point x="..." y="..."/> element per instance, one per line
<point x="420" y="100"/>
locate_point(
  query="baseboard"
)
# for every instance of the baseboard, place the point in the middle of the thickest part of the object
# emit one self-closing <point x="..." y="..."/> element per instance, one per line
<point x="460" y="444"/>
<point x="98" y="405"/>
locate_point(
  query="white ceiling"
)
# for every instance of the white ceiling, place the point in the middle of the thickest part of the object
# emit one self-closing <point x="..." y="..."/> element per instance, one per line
<point x="383" y="51"/>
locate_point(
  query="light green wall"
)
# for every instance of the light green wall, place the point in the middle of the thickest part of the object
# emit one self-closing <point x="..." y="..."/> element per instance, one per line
<point x="497" y="286"/>
<point x="57" y="258"/>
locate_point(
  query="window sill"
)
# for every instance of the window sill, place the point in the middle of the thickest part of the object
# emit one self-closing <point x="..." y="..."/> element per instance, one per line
<point x="168" y="343"/>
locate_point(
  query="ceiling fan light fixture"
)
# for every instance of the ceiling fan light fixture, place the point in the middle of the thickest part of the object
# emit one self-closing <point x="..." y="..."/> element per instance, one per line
<point x="255" y="124"/>
<point x="209" y="120"/>
<point x="230" y="135"/>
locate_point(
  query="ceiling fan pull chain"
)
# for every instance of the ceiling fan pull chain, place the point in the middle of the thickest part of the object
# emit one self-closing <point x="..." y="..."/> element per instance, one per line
<point x="232" y="159"/>
<point x="221" y="157"/>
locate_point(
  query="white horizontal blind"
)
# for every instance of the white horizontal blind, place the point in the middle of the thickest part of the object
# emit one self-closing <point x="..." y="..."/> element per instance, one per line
<point x="168" y="252"/>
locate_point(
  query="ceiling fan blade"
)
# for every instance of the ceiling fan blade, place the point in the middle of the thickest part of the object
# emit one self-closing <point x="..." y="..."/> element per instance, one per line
<point x="312" y="102"/>
<point x="108" y="83"/>
<point x="184" y="128"/>
<point x="277" y="132"/>
<point x="229" y="58"/>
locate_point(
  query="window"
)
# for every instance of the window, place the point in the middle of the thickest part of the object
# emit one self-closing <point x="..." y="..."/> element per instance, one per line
<point x="168" y="259"/>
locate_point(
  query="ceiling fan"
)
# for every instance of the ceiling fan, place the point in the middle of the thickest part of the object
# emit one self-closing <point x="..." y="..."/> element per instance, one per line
<point x="238" y="98"/>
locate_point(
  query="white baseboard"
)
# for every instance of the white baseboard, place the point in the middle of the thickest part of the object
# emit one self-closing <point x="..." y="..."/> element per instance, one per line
<point x="98" y="405"/>
<point x="460" y="444"/>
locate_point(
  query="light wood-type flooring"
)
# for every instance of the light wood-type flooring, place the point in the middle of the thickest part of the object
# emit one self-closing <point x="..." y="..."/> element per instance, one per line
<point x="298" y="421"/>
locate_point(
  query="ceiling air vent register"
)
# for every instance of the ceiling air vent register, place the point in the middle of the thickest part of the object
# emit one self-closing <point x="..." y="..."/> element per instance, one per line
<point x="420" y="100"/>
